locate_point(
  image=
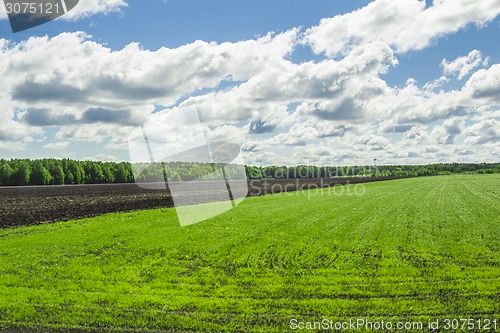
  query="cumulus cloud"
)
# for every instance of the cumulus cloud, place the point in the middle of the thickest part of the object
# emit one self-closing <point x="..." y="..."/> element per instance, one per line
<point x="12" y="145"/>
<point x="93" y="133"/>
<point x="487" y="131"/>
<point x="102" y="158"/>
<point x="450" y="129"/>
<point x="298" y="135"/>
<point x="372" y="142"/>
<point x="484" y="86"/>
<point x="61" y="145"/>
<point x="93" y="74"/>
<point x="259" y="127"/>
<point x="395" y="128"/>
<point x="47" y="117"/>
<point x="404" y="25"/>
<point x="328" y="89"/>
<point x="329" y="130"/>
<point x="250" y="146"/>
<point x="436" y="83"/>
<point x="462" y="66"/>
<point x="77" y="81"/>
<point x="335" y="109"/>
<point x="71" y="68"/>
<point x="417" y="135"/>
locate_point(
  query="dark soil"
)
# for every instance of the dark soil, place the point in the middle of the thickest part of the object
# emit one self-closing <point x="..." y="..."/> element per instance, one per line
<point x="42" y="204"/>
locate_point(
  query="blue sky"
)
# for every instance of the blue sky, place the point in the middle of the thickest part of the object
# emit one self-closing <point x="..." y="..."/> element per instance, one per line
<point x="292" y="82"/>
<point x="157" y="23"/>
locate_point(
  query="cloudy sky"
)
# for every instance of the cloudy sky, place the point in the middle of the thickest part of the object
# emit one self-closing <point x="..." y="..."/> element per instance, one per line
<point x="324" y="82"/>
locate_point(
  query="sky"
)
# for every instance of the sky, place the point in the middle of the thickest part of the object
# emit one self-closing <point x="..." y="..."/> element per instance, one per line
<point x="291" y="82"/>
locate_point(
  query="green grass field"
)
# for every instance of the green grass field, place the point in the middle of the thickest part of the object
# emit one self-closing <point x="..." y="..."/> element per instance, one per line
<point x="407" y="250"/>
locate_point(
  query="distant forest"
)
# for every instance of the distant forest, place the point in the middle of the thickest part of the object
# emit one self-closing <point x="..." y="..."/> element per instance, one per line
<point x="19" y="172"/>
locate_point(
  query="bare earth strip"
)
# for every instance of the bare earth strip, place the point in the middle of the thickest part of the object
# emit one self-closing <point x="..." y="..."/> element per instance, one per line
<point x="30" y="205"/>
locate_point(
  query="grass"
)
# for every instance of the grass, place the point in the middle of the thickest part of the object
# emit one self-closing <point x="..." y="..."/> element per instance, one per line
<point x="413" y="249"/>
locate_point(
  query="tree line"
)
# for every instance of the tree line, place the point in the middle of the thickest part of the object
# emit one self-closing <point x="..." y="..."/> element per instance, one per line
<point x="308" y="171"/>
<point x="50" y="171"/>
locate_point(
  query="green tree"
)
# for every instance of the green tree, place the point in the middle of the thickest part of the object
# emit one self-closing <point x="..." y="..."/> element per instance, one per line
<point x="40" y="175"/>
<point x="69" y="178"/>
<point x="22" y="173"/>
<point x="108" y="170"/>
<point x="94" y="173"/>
<point x="57" y="175"/>
<point x="121" y="173"/>
<point x="6" y="173"/>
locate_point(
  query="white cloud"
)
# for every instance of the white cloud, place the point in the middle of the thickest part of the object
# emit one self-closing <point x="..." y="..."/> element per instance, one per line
<point x="251" y="146"/>
<point x="13" y="146"/>
<point x="484" y="86"/>
<point x="436" y="83"/>
<point x="487" y="131"/>
<point x="447" y="133"/>
<point x="335" y="110"/>
<point x="116" y="144"/>
<point x="92" y="74"/>
<point x="102" y="158"/>
<point x="229" y="133"/>
<point x="415" y="136"/>
<point x="462" y="66"/>
<point x="331" y="89"/>
<point x="94" y="133"/>
<point x="87" y="8"/>
<point x="405" y="25"/>
<point x="298" y="135"/>
<point x="93" y="92"/>
<point x="372" y="142"/>
<point x="61" y="145"/>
